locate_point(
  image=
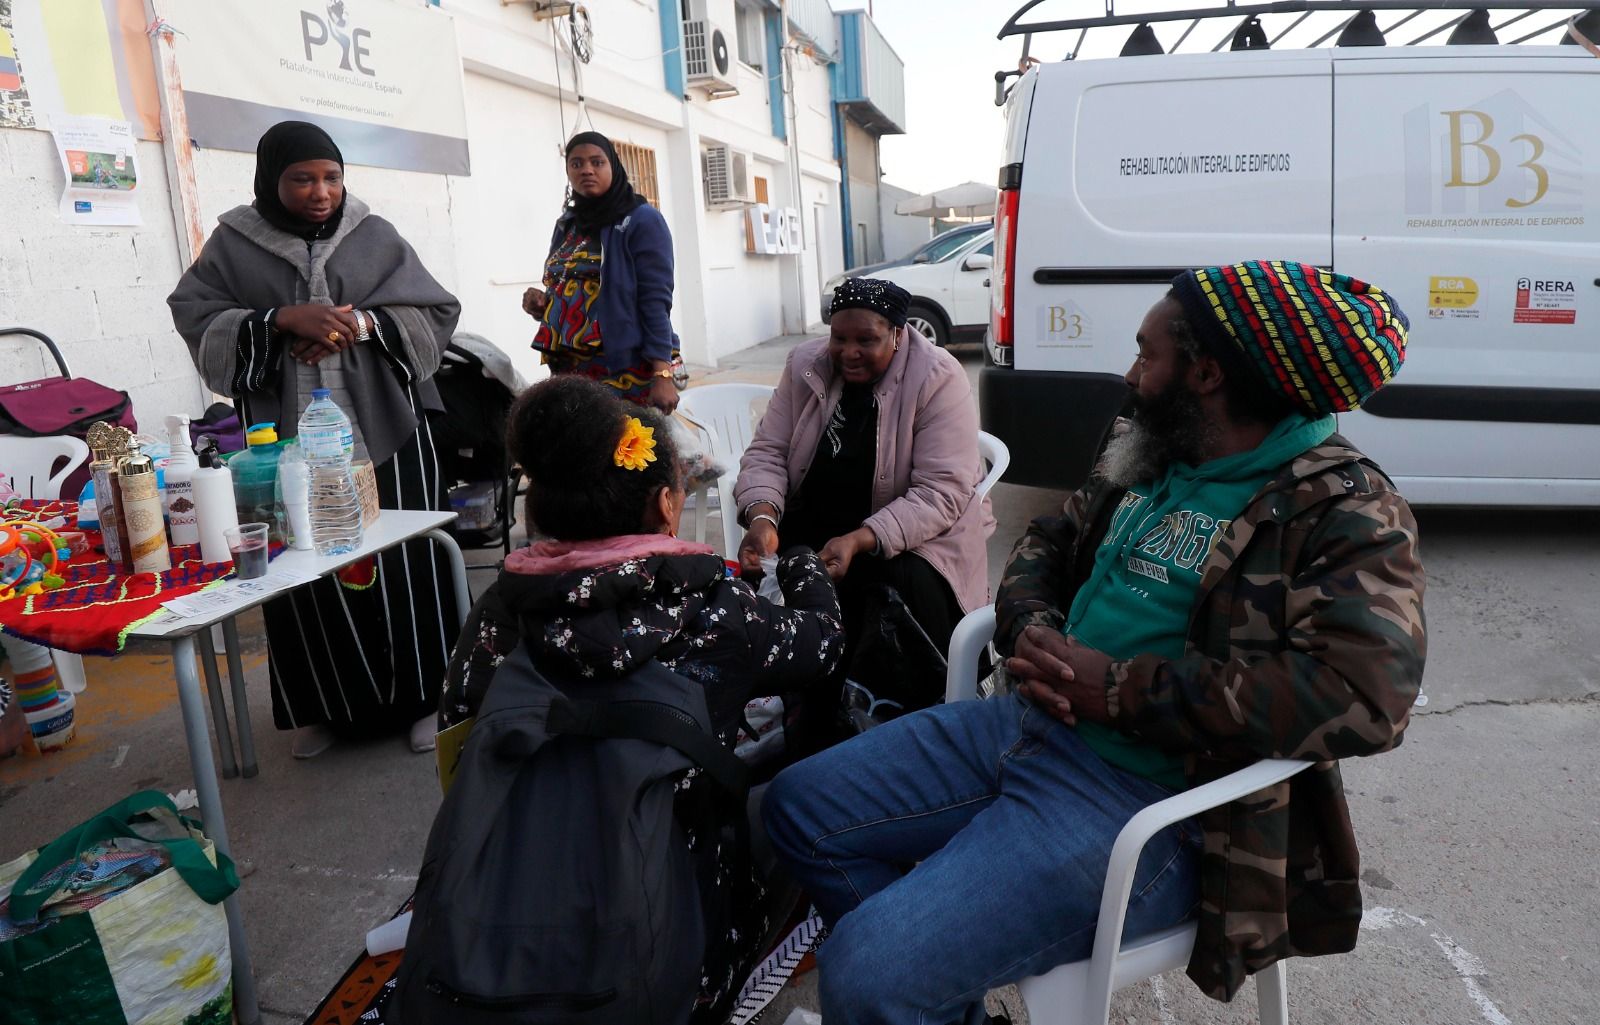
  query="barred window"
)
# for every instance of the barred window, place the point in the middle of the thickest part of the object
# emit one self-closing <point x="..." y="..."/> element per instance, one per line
<point x="640" y="163"/>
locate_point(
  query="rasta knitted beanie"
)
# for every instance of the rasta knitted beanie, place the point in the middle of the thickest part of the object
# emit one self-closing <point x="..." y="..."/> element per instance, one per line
<point x="1324" y="341"/>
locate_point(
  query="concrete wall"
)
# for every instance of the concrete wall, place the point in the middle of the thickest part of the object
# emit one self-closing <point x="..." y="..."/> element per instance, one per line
<point x="627" y="35"/>
<point x="749" y="297"/>
<point x="865" y="216"/>
<point x="813" y="108"/>
<point x="901" y="233"/>
<point x="100" y="293"/>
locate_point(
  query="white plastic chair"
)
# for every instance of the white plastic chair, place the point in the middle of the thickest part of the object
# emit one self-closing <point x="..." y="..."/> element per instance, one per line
<point x="1080" y="993"/>
<point x="996" y="456"/>
<point x="28" y="464"/>
<point x="723" y="412"/>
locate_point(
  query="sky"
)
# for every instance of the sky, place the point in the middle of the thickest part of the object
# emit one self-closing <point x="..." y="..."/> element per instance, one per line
<point x="954" y="131"/>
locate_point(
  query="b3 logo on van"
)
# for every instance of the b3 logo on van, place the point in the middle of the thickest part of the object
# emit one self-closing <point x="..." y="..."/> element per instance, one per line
<point x="1064" y="326"/>
<point x="1497" y="163"/>
<point x="1490" y="156"/>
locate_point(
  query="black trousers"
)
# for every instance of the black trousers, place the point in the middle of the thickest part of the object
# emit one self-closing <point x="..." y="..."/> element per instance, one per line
<point x="932" y="604"/>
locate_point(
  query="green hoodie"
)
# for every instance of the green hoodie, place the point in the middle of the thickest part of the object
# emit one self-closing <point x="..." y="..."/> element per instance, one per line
<point x="1141" y="590"/>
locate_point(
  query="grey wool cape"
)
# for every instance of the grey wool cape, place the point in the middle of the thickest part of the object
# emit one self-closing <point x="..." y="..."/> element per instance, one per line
<point x="365" y="651"/>
<point x="248" y="265"/>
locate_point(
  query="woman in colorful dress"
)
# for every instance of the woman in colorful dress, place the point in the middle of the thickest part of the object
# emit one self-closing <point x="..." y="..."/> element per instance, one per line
<point x="306" y="288"/>
<point x="605" y="307"/>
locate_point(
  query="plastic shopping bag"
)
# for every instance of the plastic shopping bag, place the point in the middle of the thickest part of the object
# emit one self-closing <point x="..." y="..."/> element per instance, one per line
<point x="82" y="947"/>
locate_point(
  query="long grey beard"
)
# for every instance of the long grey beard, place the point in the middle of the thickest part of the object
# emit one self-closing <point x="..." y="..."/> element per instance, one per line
<point x="1131" y="457"/>
<point x="1143" y="450"/>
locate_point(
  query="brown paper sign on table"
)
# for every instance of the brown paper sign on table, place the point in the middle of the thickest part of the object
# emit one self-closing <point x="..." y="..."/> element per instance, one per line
<point x="366" y="479"/>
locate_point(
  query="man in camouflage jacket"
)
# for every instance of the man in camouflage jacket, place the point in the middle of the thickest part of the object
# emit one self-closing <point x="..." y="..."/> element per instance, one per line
<point x="1237" y="582"/>
<point x="1306" y="641"/>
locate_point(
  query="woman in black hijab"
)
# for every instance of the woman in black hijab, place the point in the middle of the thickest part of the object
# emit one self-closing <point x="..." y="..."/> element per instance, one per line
<point x="306" y="288"/>
<point x="605" y="309"/>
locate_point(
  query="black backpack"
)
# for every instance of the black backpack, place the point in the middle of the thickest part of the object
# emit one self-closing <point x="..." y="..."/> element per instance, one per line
<point x="558" y="884"/>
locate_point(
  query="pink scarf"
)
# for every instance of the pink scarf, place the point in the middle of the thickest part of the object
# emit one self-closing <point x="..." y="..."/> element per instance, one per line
<point x="550" y="557"/>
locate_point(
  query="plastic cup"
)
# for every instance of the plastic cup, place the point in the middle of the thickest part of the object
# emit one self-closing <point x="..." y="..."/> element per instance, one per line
<point x="247" y="543"/>
<point x="390" y="936"/>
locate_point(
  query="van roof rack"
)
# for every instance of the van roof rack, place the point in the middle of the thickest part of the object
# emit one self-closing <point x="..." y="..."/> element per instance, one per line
<point x="1359" y="27"/>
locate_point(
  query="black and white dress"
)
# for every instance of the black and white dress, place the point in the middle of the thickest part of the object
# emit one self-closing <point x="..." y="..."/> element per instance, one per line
<point x="365" y="652"/>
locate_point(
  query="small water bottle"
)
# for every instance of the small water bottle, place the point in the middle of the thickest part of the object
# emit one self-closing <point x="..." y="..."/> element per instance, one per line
<point x="326" y="442"/>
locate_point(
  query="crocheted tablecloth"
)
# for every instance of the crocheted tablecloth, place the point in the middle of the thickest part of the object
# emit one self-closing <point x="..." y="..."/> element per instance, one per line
<point x="96" y="609"/>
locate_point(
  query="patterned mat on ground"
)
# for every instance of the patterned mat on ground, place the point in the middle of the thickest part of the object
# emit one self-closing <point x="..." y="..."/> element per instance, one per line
<point x="776" y="969"/>
<point x="362" y="993"/>
<point x="361" y="996"/>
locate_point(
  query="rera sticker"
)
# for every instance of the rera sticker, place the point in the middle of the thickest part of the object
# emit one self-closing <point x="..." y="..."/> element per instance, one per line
<point x="1545" y="301"/>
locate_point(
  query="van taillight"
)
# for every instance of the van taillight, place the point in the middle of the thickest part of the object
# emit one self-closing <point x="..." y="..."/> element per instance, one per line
<point x="1003" y="294"/>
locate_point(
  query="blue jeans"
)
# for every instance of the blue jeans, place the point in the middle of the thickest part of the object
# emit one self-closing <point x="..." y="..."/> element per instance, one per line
<point x="1008" y="818"/>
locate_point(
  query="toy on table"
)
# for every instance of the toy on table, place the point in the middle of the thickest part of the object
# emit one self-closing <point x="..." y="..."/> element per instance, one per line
<point x="30" y="556"/>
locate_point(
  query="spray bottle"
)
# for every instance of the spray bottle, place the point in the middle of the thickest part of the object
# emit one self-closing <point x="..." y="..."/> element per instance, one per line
<point x="181" y="465"/>
<point x="213" y="501"/>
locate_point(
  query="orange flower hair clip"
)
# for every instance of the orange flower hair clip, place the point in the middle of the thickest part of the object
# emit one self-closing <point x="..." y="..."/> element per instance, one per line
<point x="637" y="449"/>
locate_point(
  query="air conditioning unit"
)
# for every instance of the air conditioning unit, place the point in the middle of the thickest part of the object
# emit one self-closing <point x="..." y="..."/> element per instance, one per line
<point x="727" y="176"/>
<point x="707" y="33"/>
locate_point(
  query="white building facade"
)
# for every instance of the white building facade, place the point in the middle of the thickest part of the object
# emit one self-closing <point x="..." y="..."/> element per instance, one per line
<point x="729" y="113"/>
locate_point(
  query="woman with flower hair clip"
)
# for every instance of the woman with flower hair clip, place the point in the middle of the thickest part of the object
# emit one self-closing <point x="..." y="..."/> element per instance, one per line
<point x="611" y="586"/>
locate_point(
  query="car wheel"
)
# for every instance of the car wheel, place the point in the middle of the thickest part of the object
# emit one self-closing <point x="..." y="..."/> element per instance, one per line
<point x="929" y="322"/>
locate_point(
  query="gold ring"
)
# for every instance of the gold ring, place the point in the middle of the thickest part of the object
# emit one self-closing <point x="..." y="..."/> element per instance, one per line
<point x="333" y="336"/>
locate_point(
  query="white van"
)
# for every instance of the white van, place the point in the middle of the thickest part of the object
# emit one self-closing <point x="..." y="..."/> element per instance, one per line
<point x="1464" y="180"/>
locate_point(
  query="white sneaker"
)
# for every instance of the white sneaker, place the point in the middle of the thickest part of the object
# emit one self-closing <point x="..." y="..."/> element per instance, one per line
<point x="422" y="734"/>
<point x="310" y="741"/>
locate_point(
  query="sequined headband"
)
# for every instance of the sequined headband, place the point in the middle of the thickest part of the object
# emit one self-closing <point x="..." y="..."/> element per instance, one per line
<point x="881" y="297"/>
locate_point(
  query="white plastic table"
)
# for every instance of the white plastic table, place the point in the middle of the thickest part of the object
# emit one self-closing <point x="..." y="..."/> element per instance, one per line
<point x="392" y="528"/>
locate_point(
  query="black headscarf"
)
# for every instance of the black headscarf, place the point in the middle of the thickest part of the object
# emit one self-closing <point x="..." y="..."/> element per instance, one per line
<point x="285" y="143"/>
<point x="617" y="202"/>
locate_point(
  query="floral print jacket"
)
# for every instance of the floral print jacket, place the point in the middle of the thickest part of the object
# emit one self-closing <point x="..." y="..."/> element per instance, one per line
<point x="603" y="608"/>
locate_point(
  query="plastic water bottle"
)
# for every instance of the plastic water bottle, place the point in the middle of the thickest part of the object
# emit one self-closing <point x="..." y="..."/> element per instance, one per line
<point x="327" y="443"/>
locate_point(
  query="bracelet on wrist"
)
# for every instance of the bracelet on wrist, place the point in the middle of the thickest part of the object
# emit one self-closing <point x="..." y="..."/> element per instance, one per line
<point x="764" y="516"/>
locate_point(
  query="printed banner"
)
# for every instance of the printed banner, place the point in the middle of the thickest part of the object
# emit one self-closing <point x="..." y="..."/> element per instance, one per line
<point x="15" y="110"/>
<point x="87" y="58"/>
<point x="101" y="170"/>
<point x="384" y="79"/>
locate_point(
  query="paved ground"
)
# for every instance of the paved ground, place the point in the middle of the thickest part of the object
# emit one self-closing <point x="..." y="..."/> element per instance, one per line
<point x="1479" y="834"/>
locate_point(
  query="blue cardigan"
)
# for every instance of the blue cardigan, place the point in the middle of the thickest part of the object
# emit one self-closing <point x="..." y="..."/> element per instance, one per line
<point x="634" y="306"/>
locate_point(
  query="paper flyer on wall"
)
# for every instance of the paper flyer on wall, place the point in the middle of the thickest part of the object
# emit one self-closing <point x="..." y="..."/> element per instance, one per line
<point x="100" y="169"/>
